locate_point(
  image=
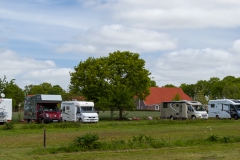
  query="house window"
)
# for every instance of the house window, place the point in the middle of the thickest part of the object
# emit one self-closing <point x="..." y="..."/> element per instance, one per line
<point x="156" y="107"/>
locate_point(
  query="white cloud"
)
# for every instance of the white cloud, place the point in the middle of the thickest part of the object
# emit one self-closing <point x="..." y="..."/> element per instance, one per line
<point x="117" y="37"/>
<point x="28" y="71"/>
<point x="236" y="46"/>
<point x="162" y="14"/>
<point x="189" y="66"/>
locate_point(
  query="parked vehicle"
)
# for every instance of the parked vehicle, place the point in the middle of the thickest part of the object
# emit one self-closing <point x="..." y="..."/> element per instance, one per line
<point x="183" y="110"/>
<point x="42" y="108"/>
<point x="81" y="111"/>
<point x="5" y="110"/>
<point x="224" y="108"/>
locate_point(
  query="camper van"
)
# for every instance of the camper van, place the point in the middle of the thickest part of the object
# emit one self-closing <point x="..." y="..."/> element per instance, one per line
<point x="79" y="111"/>
<point x="42" y="108"/>
<point x="224" y="108"/>
<point x="5" y="110"/>
<point x="183" y="110"/>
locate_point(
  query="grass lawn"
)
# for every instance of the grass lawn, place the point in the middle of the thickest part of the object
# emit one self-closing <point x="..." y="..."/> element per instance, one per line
<point x="188" y="139"/>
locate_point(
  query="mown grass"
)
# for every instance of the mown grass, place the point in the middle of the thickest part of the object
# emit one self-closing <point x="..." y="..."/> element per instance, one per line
<point x="144" y="139"/>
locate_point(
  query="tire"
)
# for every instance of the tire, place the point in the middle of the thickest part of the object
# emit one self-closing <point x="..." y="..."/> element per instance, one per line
<point x="193" y="117"/>
<point x="171" y="117"/>
<point x="42" y="121"/>
<point x="80" y="120"/>
<point x="236" y="117"/>
<point x="217" y="117"/>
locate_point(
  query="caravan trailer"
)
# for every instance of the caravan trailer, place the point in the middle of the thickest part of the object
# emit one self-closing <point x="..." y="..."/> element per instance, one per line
<point x="5" y="110"/>
<point x="183" y="110"/>
<point x="224" y="108"/>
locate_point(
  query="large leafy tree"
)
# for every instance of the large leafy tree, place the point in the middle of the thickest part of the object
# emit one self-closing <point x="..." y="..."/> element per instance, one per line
<point x="112" y="81"/>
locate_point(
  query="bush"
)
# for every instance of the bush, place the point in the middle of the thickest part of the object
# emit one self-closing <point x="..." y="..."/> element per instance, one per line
<point x="87" y="141"/>
<point x="213" y="138"/>
<point x="8" y="126"/>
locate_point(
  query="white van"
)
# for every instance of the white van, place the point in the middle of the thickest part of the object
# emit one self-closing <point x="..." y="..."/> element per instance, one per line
<point x="183" y="110"/>
<point x="224" y="108"/>
<point x="5" y="110"/>
<point x="81" y="111"/>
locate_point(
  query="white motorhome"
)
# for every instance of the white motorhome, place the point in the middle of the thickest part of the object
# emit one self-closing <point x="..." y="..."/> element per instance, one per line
<point x="183" y="110"/>
<point x="5" y="110"/>
<point x="224" y="108"/>
<point x="81" y="111"/>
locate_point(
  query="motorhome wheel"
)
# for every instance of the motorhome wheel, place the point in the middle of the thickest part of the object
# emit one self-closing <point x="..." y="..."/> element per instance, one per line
<point x="236" y="117"/>
<point x="80" y="120"/>
<point x="217" y="117"/>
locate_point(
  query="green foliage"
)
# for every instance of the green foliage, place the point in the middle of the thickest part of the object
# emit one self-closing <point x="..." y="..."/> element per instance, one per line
<point x="153" y="83"/>
<point x="112" y="82"/>
<point x="213" y="138"/>
<point x="176" y="97"/>
<point x="11" y="90"/>
<point x="87" y="141"/>
<point x="8" y="126"/>
<point x="47" y="88"/>
<point x="169" y="86"/>
<point x="142" y="139"/>
<point x="214" y="88"/>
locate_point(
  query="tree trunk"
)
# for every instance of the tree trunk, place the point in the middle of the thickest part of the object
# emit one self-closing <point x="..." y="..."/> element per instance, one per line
<point x="120" y="113"/>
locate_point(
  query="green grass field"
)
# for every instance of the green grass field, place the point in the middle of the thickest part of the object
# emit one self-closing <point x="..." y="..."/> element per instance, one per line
<point x="185" y="139"/>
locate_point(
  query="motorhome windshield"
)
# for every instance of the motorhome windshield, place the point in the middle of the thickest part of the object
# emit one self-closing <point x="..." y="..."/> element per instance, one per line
<point x="87" y="109"/>
<point x="237" y="107"/>
<point x="198" y="108"/>
<point x="50" y="108"/>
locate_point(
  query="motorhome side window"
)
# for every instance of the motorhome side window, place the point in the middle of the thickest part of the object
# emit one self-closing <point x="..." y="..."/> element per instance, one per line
<point x="212" y="105"/>
<point x="67" y="108"/>
<point x="164" y="105"/>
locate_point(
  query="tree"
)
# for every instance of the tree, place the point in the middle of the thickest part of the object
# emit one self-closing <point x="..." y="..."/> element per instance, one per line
<point x="11" y="90"/>
<point x="176" y="97"/>
<point x="169" y="86"/>
<point x="153" y="83"/>
<point x="106" y="79"/>
<point x="188" y="89"/>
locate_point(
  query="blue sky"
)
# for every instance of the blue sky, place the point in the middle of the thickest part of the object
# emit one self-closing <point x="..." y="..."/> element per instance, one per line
<point x="181" y="41"/>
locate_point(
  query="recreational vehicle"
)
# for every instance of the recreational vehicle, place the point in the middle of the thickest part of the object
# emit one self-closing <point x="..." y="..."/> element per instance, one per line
<point x="183" y="110"/>
<point x="42" y="108"/>
<point x="81" y="111"/>
<point x="224" y="108"/>
<point x="5" y="110"/>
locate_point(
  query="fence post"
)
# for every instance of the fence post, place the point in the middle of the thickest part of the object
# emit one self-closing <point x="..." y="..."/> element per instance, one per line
<point x="44" y="138"/>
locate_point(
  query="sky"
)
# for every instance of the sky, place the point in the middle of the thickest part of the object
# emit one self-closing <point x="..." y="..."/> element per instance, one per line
<point x="181" y="41"/>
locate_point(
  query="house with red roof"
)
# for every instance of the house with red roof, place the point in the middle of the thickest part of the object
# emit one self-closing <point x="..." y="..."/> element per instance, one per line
<point x="158" y="95"/>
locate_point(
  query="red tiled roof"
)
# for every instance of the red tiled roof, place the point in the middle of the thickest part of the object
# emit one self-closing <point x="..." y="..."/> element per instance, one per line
<point x="163" y="94"/>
